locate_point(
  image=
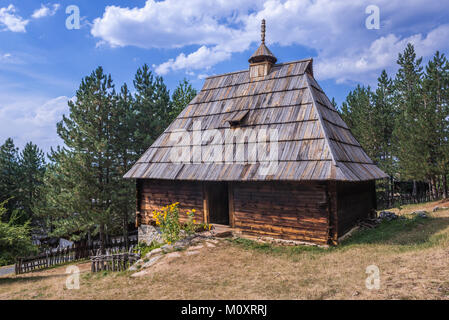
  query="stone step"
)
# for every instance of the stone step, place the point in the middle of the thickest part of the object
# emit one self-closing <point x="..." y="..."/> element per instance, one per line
<point x="221" y="231"/>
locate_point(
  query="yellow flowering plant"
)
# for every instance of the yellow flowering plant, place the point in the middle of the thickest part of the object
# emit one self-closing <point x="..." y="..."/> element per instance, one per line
<point x="168" y="220"/>
<point x="190" y="226"/>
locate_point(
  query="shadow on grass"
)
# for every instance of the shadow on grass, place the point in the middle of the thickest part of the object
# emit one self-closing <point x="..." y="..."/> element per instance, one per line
<point x="18" y="279"/>
<point x="36" y="274"/>
<point x="407" y="233"/>
<point x="292" y="251"/>
<point x="410" y="231"/>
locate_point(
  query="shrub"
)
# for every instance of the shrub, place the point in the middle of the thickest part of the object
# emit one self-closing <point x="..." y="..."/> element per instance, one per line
<point x="15" y="239"/>
<point x="144" y="248"/>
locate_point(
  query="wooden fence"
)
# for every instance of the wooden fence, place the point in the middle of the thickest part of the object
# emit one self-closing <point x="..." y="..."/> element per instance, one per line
<point x="113" y="262"/>
<point x="78" y="251"/>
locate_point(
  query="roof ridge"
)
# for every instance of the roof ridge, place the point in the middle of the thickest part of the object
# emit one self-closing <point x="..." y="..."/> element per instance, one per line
<point x="246" y="70"/>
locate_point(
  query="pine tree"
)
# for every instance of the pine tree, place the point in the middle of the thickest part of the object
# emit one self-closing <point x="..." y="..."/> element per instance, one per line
<point x="358" y="113"/>
<point x="411" y="145"/>
<point x="123" y="128"/>
<point x="384" y="122"/>
<point x="152" y="108"/>
<point x="334" y="103"/>
<point x="9" y="177"/>
<point x="181" y="97"/>
<point x="84" y="167"/>
<point x="32" y="169"/>
<point x="435" y="117"/>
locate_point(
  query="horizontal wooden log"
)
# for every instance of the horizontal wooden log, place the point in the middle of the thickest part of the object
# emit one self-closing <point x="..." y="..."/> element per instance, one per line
<point x="321" y="241"/>
<point x="319" y="232"/>
<point x="286" y="224"/>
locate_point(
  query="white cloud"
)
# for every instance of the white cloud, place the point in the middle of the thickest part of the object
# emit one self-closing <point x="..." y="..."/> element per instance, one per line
<point x="4" y="57"/>
<point x="381" y="54"/>
<point x="173" y="24"/>
<point x="11" y="21"/>
<point x="203" y="58"/>
<point x="32" y="119"/>
<point x="334" y="29"/>
<point x="45" y="11"/>
<point x="170" y="23"/>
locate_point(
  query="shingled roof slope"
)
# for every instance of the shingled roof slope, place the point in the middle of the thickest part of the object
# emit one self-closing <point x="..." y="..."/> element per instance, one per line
<point x="314" y="142"/>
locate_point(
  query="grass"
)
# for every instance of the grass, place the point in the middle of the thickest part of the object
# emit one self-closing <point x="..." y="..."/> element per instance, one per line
<point x="411" y="254"/>
<point x="144" y="248"/>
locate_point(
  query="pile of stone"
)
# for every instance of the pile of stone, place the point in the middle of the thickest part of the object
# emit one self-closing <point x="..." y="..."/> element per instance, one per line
<point x="420" y="213"/>
<point x="387" y="216"/>
<point x="187" y="246"/>
<point x="437" y="208"/>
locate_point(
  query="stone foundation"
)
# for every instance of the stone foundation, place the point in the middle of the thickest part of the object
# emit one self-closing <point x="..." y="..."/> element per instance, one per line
<point x="148" y="234"/>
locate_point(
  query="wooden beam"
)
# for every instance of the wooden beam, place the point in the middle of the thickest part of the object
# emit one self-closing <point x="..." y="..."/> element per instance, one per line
<point x="231" y="204"/>
<point x="138" y="202"/>
<point x="333" y="211"/>
<point x="205" y="203"/>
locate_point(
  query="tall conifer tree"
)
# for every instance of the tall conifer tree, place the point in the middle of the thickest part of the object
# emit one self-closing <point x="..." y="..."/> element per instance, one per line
<point x="9" y="177"/>
<point x="32" y="169"/>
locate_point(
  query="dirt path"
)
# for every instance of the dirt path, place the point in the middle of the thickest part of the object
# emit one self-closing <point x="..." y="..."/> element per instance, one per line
<point x="6" y="270"/>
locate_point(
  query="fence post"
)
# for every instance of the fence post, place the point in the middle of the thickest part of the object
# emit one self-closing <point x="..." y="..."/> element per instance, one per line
<point x="18" y="265"/>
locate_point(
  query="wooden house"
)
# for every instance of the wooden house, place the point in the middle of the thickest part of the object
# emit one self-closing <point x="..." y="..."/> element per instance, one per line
<point x="323" y="181"/>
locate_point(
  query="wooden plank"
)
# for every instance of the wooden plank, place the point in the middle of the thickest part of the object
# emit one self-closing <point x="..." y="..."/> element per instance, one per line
<point x="205" y="204"/>
<point x="231" y="204"/>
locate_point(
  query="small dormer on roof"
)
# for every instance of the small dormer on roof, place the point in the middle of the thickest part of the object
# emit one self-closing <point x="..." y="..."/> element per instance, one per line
<point x="262" y="60"/>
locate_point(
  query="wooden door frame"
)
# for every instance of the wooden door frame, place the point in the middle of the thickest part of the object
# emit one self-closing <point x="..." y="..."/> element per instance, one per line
<point x="230" y="189"/>
<point x="231" y="204"/>
<point x="205" y="203"/>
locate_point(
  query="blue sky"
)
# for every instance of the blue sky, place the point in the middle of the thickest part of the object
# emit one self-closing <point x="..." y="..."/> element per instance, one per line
<point x="42" y="62"/>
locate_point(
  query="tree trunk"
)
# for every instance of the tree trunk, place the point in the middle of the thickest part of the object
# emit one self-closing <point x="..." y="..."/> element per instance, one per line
<point x="414" y="192"/>
<point x="125" y="228"/>
<point x="89" y="238"/>
<point x="102" y="240"/>
<point x="434" y="188"/>
<point x="106" y="236"/>
<point x="391" y="193"/>
<point x="444" y="186"/>
<point x="437" y="188"/>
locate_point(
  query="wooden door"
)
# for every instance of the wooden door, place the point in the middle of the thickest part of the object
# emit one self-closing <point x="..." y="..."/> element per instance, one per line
<point x="217" y="202"/>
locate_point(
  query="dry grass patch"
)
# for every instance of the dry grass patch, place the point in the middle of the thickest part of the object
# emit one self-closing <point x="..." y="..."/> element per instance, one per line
<point x="411" y="254"/>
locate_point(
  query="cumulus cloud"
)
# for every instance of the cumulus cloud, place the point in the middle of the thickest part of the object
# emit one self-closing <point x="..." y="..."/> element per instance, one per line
<point x="45" y="11"/>
<point x="381" y="54"/>
<point x="172" y="24"/>
<point x="334" y="29"/>
<point x="9" y="20"/>
<point x="32" y="119"/>
<point x="203" y="58"/>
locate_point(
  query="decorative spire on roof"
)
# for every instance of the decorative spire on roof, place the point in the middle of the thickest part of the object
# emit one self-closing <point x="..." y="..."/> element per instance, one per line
<point x="262" y="53"/>
<point x="262" y="30"/>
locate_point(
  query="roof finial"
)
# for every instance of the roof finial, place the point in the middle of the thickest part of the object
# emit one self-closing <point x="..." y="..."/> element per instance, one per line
<point x="262" y="53"/>
<point x="263" y="31"/>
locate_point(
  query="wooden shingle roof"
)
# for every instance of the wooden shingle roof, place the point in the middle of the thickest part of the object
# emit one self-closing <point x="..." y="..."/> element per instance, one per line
<point x="314" y="143"/>
<point x="262" y="53"/>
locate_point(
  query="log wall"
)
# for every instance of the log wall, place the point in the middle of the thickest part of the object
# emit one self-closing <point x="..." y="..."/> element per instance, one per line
<point x="355" y="201"/>
<point x="155" y="194"/>
<point x="293" y="211"/>
<point x="316" y="212"/>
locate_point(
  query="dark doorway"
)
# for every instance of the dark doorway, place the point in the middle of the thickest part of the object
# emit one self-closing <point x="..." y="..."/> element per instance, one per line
<point x="218" y="202"/>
